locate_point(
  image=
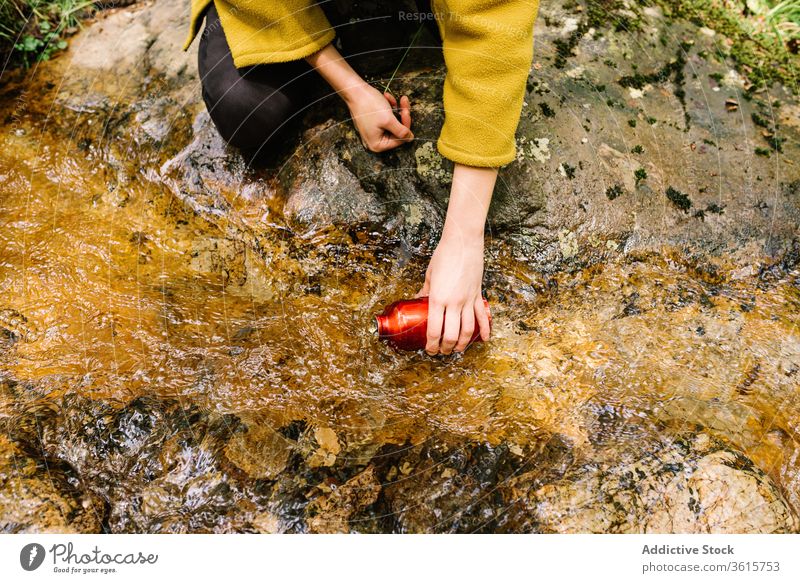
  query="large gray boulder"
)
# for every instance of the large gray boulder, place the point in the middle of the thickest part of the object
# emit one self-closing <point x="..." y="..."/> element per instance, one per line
<point x="634" y="138"/>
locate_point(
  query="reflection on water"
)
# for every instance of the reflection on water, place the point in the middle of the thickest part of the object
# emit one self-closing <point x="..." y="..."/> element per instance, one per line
<point x="113" y="290"/>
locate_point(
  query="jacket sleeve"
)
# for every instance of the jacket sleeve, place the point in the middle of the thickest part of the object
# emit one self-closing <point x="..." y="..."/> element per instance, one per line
<point x="488" y="48"/>
<point x="260" y="31"/>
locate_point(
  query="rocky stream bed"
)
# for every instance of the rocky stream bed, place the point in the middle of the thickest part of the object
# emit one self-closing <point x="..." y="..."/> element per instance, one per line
<point x="184" y="339"/>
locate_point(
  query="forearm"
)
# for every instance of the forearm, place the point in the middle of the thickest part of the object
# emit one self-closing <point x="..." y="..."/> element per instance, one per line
<point x="470" y="196"/>
<point x="332" y="66"/>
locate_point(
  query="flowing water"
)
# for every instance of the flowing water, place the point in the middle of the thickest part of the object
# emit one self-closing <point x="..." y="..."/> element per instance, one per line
<point x="113" y="292"/>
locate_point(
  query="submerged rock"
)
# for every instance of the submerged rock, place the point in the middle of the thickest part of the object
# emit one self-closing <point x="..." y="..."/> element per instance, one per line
<point x="43" y="496"/>
<point x="332" y="512"/>
<point x="155" y="466"/>
<point x="260" y="451"/>
<point x="693" y="485"/>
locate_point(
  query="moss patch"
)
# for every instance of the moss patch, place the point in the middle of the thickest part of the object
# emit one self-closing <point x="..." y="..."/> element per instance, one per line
<point x="679" y="199"/>
<point x="615" y="191"/>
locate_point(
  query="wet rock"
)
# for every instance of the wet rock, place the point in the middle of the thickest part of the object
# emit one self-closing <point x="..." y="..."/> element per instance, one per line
<point x="331" y="512"/>
<point x="259" y="451"/>
<point x="329" y="447"/>
<point x="205" y="171"/>
<point x="221" y="256"/>
<point x="639" y="133"/>
<point x="158" y="466"/>
<point x="323" y="191"/>
<point x="38" y="496"/>
<point x="446" y="489"/>
<point x="693" y="485"/>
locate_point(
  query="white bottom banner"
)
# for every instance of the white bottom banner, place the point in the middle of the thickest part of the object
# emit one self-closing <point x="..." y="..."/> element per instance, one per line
<point x="355" y="558"/>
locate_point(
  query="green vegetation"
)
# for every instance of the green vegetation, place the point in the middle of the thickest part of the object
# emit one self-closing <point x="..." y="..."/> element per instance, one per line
<point x="34" y="30"/>
<point x="640" y="174"/>
<point x="615" y="191"/>
<point x="780" y="17"/>
<point x="764" y="34"/>
<point x="547" y="111"/>
<point x="679" y="199"/>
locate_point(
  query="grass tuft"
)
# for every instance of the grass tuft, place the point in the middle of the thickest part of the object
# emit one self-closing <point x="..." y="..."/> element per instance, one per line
<point x="32" y="31"/>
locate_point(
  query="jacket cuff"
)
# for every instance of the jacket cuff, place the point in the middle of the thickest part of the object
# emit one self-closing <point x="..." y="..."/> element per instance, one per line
<point x="469" y="159"/>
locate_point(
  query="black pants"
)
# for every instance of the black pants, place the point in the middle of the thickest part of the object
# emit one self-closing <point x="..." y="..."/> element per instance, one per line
<point x="253" y="108"/>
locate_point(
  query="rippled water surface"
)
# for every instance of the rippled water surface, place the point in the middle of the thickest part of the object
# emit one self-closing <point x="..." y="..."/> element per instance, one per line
<point x="113" y="290"/>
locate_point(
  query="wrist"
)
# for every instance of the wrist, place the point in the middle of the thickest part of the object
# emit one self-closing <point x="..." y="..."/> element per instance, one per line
<point x="354" y="91"/>
<point x="339" y="74"/>
<point x="469" y="236"/>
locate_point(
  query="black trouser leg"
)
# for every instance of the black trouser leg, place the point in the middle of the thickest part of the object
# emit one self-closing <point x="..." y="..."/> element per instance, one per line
<point x="252" y="107"/>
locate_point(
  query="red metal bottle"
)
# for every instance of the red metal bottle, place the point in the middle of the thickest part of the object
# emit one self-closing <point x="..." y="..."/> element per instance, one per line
<point x="404" y="324"/>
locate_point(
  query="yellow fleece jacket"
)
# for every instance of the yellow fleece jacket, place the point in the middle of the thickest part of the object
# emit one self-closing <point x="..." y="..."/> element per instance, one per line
<point x="488" y="47"/>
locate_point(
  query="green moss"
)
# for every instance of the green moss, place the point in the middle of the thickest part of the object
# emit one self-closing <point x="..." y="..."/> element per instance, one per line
<point x="762" y="152"/>
<point x="679" y="199"/>
<point x="759" y="54"/>
<point x="632" y="123"/>
<point x="672" y="70"/>
<point x="775" y="143"/>
<point x="615" y="191"/>
<point x="759" y="120"/>
<point x="638" y="149"/>
<point x="597" y="15"/>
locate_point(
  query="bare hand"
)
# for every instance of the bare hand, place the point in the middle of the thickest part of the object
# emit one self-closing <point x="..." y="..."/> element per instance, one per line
<point x="453" y="286"/>
<point x="374" y="118"/>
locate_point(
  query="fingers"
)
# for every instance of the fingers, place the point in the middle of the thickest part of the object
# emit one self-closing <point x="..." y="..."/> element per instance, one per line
<point x="387" y="143"/>
<point x="482" y="318"/>
<point x="405" y="111"/>
<point x="435" y="320"/>
<point x="394" y="132"/>
<point x="404" y="108"/>
<point x="451" y="329"/>
<point x="467" y="328"/>
<point x="398" y="130"/>
<point x="452" y="326"/>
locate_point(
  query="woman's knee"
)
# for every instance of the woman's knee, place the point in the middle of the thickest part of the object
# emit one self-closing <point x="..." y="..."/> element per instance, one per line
<point x="247" y="113"/>
<point x="244" y="117"/>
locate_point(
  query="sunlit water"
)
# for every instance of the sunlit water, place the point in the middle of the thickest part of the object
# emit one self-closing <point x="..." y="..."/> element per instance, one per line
<point x="114" y="289"/>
